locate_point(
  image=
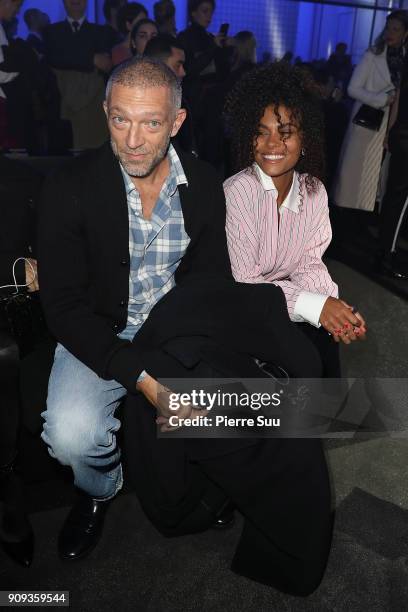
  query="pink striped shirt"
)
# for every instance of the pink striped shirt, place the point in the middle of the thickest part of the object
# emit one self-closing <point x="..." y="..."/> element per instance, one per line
<point x="282" y="245"/>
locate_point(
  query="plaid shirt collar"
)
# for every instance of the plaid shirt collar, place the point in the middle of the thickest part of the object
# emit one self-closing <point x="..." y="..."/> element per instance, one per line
<point x="175" y="178"/>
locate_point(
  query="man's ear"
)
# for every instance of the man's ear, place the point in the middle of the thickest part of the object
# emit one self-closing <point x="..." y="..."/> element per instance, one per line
<point x="105" y="108"/>
<point x="181" y="115"/>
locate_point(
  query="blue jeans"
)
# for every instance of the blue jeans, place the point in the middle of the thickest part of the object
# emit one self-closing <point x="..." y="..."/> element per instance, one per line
<point x="80" y="425"/>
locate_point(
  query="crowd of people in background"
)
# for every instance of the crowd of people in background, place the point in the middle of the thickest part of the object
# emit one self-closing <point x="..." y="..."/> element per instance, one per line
<point x="62" y="69"/>
<point x="52" y="89"/>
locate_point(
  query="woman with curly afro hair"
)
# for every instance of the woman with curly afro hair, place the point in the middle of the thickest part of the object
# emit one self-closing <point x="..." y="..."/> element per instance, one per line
<point x="278" y="225"/>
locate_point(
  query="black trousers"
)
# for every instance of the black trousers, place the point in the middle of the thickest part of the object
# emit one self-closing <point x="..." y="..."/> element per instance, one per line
<point x="394" y="207"/>
<point x="280" y="486"/>
<point x="23" y="389"/>
<point x="9" y="396"/>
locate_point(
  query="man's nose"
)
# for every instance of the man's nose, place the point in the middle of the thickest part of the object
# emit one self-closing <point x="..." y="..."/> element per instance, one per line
<point x="134" y="138"/>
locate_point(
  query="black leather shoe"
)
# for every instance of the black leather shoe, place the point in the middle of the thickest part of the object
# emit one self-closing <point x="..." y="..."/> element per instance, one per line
<point x="225" y="518"/>
<point x="82" y="528"/>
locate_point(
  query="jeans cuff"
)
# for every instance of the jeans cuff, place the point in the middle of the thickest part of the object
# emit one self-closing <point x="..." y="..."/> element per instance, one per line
<point x="119" y="485"/>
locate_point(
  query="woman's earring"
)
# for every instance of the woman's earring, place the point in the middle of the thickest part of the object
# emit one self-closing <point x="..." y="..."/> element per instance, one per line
<point x="302" y="152"/>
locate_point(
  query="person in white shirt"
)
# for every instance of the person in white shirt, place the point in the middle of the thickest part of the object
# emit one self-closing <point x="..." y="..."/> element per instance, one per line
<point x="277" y="221"/>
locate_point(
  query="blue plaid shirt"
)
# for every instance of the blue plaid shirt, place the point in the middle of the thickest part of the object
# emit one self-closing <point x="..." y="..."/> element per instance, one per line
<point x="156" y="245"/>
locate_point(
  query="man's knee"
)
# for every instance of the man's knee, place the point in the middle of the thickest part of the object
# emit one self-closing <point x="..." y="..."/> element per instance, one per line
<point x="68" y="433"/>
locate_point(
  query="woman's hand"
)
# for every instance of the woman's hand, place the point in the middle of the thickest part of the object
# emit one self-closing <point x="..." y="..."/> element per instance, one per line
<point x="391" y="98"/>
<point x="338" y="319"/>
<point x="159" y="397"/>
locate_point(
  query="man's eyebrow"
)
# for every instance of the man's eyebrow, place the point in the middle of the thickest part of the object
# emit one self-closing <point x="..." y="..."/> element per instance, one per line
<point x="116" y="109"/>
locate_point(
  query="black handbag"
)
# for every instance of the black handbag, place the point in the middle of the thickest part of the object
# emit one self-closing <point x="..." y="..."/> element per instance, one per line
<point x="369" y="117"/>
<point x="22" y="314"/>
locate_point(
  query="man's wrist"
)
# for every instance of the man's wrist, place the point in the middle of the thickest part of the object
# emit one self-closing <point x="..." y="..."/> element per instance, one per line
<point x="142" y="376"/>
<point x="145" y="383"/>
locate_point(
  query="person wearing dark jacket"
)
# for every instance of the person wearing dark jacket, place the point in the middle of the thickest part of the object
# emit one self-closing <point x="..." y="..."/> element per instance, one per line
<point x="19" y="189"/>
<point x="165" y="48"/>
<point x="207" y="60"/>
<point x="79" y="53"/>
<point x="132" y="253"/>
<point x="110" y="12"/>
<point x="36" y="22"/>
<point x="203" y="50"/>
<point x="136" y="192"/>
<point x="18" y="76"/>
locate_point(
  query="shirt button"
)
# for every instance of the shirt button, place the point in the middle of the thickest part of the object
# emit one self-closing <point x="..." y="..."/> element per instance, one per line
<point x="115" y="326"/>
<point x="122" y="303"/>
<point x="123" y="262"/>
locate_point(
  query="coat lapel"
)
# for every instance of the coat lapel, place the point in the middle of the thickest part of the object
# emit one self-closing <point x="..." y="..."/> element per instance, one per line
<point x="112" y="198"/>
<point x="188" y="196"/>
<point x="186" y="200"/>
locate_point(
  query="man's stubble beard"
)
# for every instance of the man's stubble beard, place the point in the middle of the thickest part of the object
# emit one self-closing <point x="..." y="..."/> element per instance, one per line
<point x="141" y="171"/>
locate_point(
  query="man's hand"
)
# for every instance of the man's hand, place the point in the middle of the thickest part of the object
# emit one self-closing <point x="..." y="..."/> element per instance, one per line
<point x="159" y="397"/>
<point x="103" y="62"/>
<point x="31" y="275"/>
<point x="338" y="319"/>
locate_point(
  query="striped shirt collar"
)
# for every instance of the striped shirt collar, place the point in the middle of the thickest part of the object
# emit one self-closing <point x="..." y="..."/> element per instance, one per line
<point x="292" y="200"/>
<point x="176" y="172"/>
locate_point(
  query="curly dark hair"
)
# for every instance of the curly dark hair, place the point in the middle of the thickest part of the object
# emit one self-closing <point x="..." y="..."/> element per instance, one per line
<point x="277" y="84"/>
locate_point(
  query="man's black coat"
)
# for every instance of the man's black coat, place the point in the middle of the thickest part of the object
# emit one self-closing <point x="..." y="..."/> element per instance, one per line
<point x="83" y="252"/>
<point x="67" y="50"/>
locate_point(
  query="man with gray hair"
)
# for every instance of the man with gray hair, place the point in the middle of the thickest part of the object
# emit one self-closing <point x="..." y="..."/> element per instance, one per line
<point x="118" y="228"/>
